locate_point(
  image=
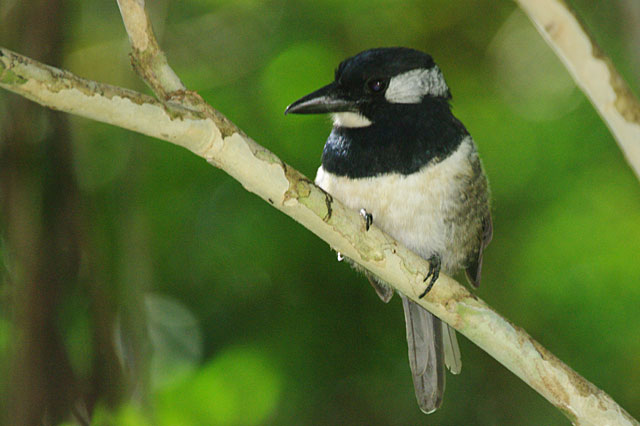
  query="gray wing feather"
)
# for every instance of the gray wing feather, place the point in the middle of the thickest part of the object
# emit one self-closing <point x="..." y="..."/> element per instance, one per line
<point x="426" y="355"/>
<point x="384" y="292"/>
<point x="474" y="271"/>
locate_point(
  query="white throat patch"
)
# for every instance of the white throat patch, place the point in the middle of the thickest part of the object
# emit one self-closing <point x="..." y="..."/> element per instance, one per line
<point x="350" y="119"/>
<point x="410" y="87"/>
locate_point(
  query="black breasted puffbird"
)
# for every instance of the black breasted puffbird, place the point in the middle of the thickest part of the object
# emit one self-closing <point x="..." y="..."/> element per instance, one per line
<point x="397" y="153"/>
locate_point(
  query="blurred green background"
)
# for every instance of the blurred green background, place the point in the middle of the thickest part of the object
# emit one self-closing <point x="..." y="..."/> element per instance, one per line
<point x="227" y="312"/>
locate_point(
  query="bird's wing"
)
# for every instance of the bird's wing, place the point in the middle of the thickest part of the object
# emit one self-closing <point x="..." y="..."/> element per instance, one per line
<point x="384" y="292"/>
<point x="426" y="355"/>
<point x="474" y="271"/>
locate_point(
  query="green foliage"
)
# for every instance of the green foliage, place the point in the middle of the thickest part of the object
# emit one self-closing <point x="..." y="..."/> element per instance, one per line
<point x="237" y="387"/>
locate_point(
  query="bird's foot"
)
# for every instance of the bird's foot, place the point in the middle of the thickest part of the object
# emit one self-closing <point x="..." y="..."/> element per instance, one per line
<point x="434" y="272"/>
<point x="367" y="218"/>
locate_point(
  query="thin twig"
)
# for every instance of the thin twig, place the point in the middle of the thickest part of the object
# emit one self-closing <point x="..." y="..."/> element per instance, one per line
<point x="146" y="57"/>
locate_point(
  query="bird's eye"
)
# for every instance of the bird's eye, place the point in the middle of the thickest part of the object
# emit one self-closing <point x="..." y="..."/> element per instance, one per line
<point x="376" y="85"/>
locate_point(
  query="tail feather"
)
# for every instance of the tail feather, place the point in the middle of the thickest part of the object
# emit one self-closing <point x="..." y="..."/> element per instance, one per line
<point x="452" y="358"/>
<point x="426" y="355"/>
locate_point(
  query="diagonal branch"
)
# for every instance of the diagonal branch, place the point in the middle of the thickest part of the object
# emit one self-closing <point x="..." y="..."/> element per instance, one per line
<point x="199" y="128"/>
<point x="592" y="70"/>
<point x="146" y="57"/>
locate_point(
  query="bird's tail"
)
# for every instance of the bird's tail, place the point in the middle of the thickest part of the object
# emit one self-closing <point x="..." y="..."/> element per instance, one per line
<point x="432" y="344"/>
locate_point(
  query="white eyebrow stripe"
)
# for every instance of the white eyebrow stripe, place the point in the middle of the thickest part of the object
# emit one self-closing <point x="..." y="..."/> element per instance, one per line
<point x="410" y="87"/>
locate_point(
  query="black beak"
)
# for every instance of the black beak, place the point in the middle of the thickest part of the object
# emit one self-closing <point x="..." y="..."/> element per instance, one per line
<point x="330" y="98"/>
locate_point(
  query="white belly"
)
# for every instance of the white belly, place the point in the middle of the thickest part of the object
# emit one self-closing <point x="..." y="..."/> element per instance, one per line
<point x="415" y="209"/>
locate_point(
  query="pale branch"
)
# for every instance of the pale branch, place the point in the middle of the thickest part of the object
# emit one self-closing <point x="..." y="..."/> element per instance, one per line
<point x="147" y="58"/>
<point x="210" y="135"/>
<point x="592" y="70"/>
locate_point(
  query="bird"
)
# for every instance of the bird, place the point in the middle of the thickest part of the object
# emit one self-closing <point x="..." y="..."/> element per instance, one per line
<point x="398" y="155"/>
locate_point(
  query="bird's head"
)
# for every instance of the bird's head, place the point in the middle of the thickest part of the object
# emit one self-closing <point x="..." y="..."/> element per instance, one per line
<point x="367" y="86"/>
